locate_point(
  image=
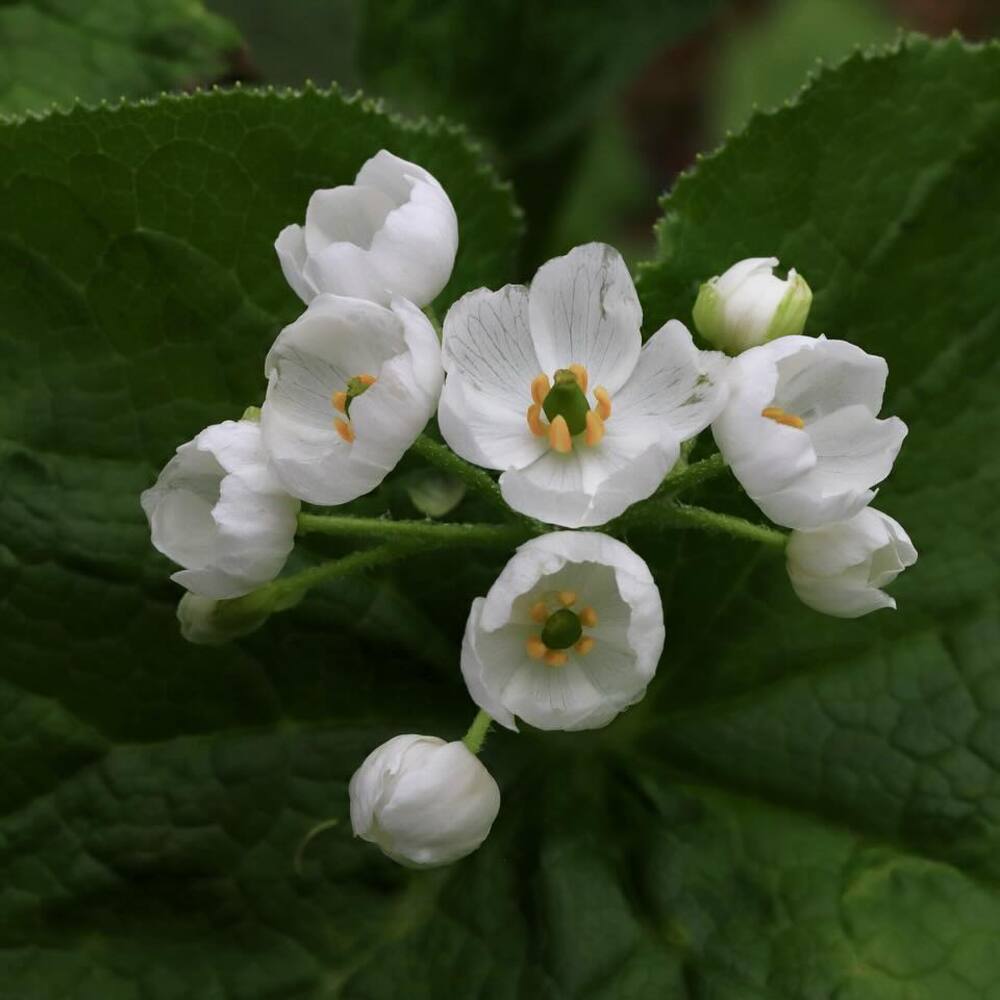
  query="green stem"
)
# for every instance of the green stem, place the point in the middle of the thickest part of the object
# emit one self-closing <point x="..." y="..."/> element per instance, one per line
<point x="692" y="475"/>
<point x="667" y="515"/>
<point x="476" y="735"/>
<point x="418" y="534"/>
<point x="476" y="480"/>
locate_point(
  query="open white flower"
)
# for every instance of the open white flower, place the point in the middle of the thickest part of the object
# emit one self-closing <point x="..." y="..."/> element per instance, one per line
<point x="800" y="430"/>
<point x="351" y="385"/>
<point x="554" y="387"/>
<point x="568" y="636"/>
<point x="392" y="232"/>
<point x="749" y="304"/>
<point x="424" y="802"/>
<point x="218" y="510"/>
<point x="840" y="569"/>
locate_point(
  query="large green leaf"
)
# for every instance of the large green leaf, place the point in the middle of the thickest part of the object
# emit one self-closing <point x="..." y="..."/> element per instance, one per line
<point x="58" y="51"/>
<point x="801" y="808"/>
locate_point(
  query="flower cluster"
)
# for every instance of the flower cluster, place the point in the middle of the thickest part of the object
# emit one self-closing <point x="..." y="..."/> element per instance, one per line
<point x="553" y="387"/>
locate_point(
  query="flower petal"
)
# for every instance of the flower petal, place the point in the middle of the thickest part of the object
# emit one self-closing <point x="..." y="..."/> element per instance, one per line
<point x="291" y="249"/>
<point x="584" y="310"/>
<point x="345" y="214"/>
<point x="491" y="362"/>
<point x="673" y="383"/>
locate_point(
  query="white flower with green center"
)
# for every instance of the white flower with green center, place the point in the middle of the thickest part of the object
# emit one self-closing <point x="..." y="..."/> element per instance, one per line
<point x="554" y="387"/>
<point x="842" y="568"/>
<point x="218" y="510"/>
<point x="801" y="430"/>
<point x="424" y="802"/>
<point x="749" y="305"/>
<point x="568" y="636"/>
<point x="351" y="385"/>
<point x="392" y="232"/>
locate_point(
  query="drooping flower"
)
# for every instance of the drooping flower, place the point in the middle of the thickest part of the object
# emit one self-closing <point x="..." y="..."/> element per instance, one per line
<point x="841" y="568"/>
<point x="218" y="510"/>
<point x="351" y="385"/>
<point x="209" y="622"/>
<point x="424" y="802"/>
<point x="568" y="636"/>
<point x="749" y="305"/>
<point x="554" y="387"/>
<point x="800" y="430"/>
<point x="392" y="232"/>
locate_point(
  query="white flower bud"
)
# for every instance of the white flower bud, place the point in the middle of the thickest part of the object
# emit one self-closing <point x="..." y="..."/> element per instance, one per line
<point x="392" y="232"/>
<point x="218" y="510"/>
<point x="424" y="802"/>
<point x="840" y="569"/>
<point x="207" y="622"/>
<point x="749" y="305"/>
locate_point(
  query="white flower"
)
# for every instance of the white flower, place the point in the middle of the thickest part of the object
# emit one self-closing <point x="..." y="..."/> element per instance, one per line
<point x="800" y="430"/>
<point x="392" y="232"/>
<point x="577" y="452"/>
<point x="351" y="385"/>
<point x="424" y="802"/>
<point x="218" y="510"/>
<point x="568" y="636"/>
<point x="840" y="569"/>
<point x="749" y="305"/>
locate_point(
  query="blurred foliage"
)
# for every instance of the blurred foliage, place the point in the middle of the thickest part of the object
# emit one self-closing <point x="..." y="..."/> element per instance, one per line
<point x="766" y="61"/>
<point x="58" y="51"/>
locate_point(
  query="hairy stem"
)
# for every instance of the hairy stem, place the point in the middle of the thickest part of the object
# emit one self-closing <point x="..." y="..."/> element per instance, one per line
<point x="418" y="534"/>
<point x="476" y="735"/>
<point x="692" y="475"/>
<point x="667" y="515"/>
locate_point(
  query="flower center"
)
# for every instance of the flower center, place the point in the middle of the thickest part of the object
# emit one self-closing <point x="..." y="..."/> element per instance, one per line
<point x="780" y="416"/>
<point x="561" y="630"/>
<point x="564" y="402"/>
<point x="357" y="385"/>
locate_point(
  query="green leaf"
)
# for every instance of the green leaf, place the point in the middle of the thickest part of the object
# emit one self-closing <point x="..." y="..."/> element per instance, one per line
<point x="60" y="51"/>
<point x="800" y="808"/>
<point x="524" y="75"/>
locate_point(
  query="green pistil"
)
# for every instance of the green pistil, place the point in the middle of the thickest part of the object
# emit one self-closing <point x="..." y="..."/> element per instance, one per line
<point x="566" y="399"/>
<point x="562" y="630"/>
<point x="355" y="387"/>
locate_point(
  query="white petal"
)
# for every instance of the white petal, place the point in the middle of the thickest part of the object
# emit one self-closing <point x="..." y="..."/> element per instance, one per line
<point x="751" y="267"/>
<point x="345" y="214"/>
<point x="344" y="269"/>
<point x="590" y="486"/>
<point x="491" y="362"/>
<point x="291" y="249"/>
<point x="673" y="383"/>
<point x="584" y="310"/>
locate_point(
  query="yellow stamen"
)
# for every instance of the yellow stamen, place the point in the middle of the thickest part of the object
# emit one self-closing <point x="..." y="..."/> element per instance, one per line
<point x="588" y="617"/>
<point x="559" y="437"/>
<point x="603" y="402"/>
<point x="366" y="379"/>
<point x="594" y="433"/>
<point x="555" y="658"/>
<point x="339" y="401"/>
<point x="567" y="598"/>
<point x="584" y="645"/>
<point x="535" y="420"/>
<point x="779" y="416"/>
<point x="539" y="613"/>
<point x="581" y="376"/>
<point x="536" y="648"/>
<point x="344" y="429"/>
<point x="540" y="386"/>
